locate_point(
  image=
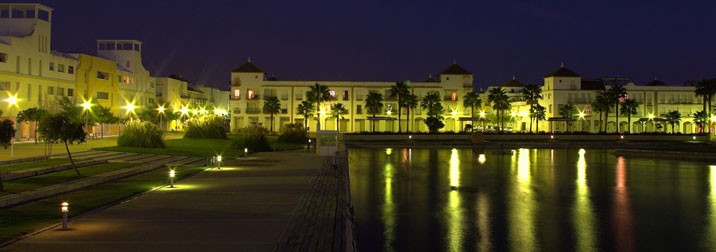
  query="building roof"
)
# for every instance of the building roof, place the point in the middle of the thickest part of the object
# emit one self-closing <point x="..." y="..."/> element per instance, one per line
<point x="430" y="79"/>
<point x="272" y="78"/>
<point x="656" y="82"/>
<point x="513" y="83"/>
<point x="190" y="88"/>
<point x="248" y="67"/>
<point x="592" y="85"/>
<point x="178" y="77"/>
<point x="563" y="72"/>
<point x="456" y="69"/>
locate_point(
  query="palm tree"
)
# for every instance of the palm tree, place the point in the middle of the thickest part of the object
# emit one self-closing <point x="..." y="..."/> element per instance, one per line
<point x="272" y="106"/>
<point x="617" y="93"/>
<point x="432" y="103"/>
<point x="399" y="90"/>
<point x="500" y="102"/>
<point x="532" y="93"/>
<point x="602" y="104"/>
<point x="567" y="112"/>
<point x="410" y="102"/>
<point x="539" y="113"/>
<point x="317" y="95"/>
<point x="374" y="104"/>
<point x="706" y="88"/>
<point x="701" y="119"/>
<point x="629" y="107"/>
<point x="472" y="100"/>
<point x="673" y="118"/>
<point x="305" y="109"/>
<point x="337" y="111"/>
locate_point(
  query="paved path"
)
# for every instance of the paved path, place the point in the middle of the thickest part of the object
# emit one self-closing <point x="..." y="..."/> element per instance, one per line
<point x="245" y="206"/>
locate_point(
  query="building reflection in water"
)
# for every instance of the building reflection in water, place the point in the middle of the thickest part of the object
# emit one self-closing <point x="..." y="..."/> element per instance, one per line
<point x="711" y="233"/>
<point x="484" y="241"/>
<point x="622" y="219"/>
<point x="583" y="215"/>
<point x="388" y="213"/>
<point x="455" y="220"/>
<point x="522" y="208"/>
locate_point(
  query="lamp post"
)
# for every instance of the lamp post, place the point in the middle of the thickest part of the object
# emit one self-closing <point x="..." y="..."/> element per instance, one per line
<point x="65" y="209"/>
<point x="130" y="110"/>
<point x="172" y="174"/>
<point x="160" y="110"/>
<point x="482" y="120"/>
<point x="453" y="113"/>
<point x="246" y="153"/>
<point x="218" y="161"/>
<point x="12" y="102"/>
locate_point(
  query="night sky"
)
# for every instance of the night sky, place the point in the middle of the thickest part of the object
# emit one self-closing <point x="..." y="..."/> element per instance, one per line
<point x="401" y="40"/>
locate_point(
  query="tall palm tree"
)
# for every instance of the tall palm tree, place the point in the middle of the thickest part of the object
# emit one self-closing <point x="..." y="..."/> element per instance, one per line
<point x="567" y="112"/>
<point x="500" y="102"/>
<point x="629" y="107"/>
<point x="706" y="88"/>
<point x="617" y="93"/>
<point x="532" y="93"/>
<point x="306" y="110"/>
<point x="337" y="111"/>
<point x="399" y="90"/>
<point x="272" y="106"/>
<point x="539" y="113"/>
<point x="374" y="104"/>
<point x="410" y="102"/>
<point x="673" y="118"/>
<point x="317" y="95"/>
<point x="472" y="100"/>
<point x="433" y="104"/>
<point x="701" y="119"/>
<point x="602" y="104"/>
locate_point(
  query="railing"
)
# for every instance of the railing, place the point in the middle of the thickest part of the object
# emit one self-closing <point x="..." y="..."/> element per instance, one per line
<point x="237" y="111"/>
<point x="298" y="97"/>
<point x="253" y="110"/>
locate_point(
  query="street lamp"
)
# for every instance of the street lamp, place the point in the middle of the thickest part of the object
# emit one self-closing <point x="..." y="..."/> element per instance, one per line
<point x="218" y="161"/>
<point x="130" y="109"/>
<point x="160" y="110"/>
<point x="85" y="108"/>
<point x="65" y="209"/>
<point x="172" y="174"/>
<point x="246" y="152"/>
<point x="12" y="102"/>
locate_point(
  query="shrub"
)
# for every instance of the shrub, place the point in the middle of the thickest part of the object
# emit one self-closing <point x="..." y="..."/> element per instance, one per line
<point x="213" y="127"/>
<point x="142" y="135"/>
<point x="293" y="133"/>
<point x="253" y="138"/>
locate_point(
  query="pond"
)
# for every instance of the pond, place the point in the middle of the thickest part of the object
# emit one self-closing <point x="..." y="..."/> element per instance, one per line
<point x="530" y="200"/>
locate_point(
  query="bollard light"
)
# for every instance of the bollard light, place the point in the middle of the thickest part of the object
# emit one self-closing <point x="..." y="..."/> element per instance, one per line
<point x="410" y="137"/>
<point x="218" y="161"/>
<point x="246" y="152"/>
<point x="551" y="136"/>
<point x="693" y="137"/>
<point x="481" y="158"/>
<point x="172" y="174"/>
<point x="64" y="208"/>
<point x="621" y="137"/>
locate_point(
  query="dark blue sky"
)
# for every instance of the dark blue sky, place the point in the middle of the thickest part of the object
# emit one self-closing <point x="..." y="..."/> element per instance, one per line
<point x="399" y="40"/>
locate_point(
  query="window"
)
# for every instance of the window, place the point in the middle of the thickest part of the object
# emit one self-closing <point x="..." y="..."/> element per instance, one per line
<point x="5" y="86"/>
<point x="249" y="94"/>
<point x="237" y="94"/>
<point x="70" y="69"/>
<point x="52" y="66"/>
<point x="50" y="90"/>
<point x="102" y="95"/>
<point x="102" y="75"/>
<point x="345" y="95"/>
<point x="136" y="47"/>
<point x="60" y="91"/>
<point x="70" y="92"/>
<point x="151" y="84"/>
<point x="127" y="65"/>
<point x="359" y="109"/>
<point x="453" y="96"/>
<point x="3" y="57"/>
<point x="332" y="94"/>
<point x="61" y="68"/>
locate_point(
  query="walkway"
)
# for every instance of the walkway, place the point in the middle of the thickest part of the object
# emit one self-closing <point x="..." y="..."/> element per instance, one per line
<point x="245" y="206"/>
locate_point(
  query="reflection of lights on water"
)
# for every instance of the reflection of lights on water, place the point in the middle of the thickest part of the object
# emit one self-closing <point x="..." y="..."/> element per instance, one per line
<point x="388" y="151"/>
<point x="522" y="209"/>
<point x="483" y="222"/>
<point x="454" y="169"/>
<point x="388" y="207"/>
<point x="581" y="171"/>
<point x="523" y="165"/>
<point x="481" y="158"/>
<point x="455" y="222"/>
<point x="583" y="214"/>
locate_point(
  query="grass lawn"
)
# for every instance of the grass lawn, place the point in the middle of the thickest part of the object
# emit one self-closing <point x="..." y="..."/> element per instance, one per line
<point x="32" y="183"/>
<point x="28" y="218"/>
<point x="35" y="164"/>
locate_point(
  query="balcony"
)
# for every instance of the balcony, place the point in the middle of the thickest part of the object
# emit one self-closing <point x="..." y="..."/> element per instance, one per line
<point x="284" y="97"/>
<point x="237" y="111"/>
<point x="254" y="97"/>
<point x="298" y="97"/>
<point x="253" y="110"/>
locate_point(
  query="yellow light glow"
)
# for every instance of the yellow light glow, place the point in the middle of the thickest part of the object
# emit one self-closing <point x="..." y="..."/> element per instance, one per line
<point x="12" y="100"/>
<point x="482" y="114"/>
<point x="86" y="105"/>
<point x="651" y="116"/>
<point x="583" y="214"/>
<point x="581" y="114"/>
<point x="388" y="213"/>
<point x="453" y="113"/>
<point x="523" y="113"/>
<point x="513" y="114"/>
<point x="522" y="209"/>
<point x="130" y="107"/>
<point x="388" y="151"/>
<point x="172" y="173"/>
<point x="454" y="169"/>
<point x="322" y="112"/>
<point x="523" y="165"/>
<point x="161" y="109"/>
<point x="194" y="111"/>
<point x="713" y="118"/>
<point x="219" y="158"/>
<point x="184" y="110"/>
<point x="481" y="158"/>
<point x="456" y="224"/>
<point x="202" y="111"/>
<point x="389" y="112"/>
<point x="65" y="207"/>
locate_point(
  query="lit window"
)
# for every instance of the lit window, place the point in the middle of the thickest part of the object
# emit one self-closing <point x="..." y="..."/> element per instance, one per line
<point x="345" y="94"/>
<point x="237" y="94"/>
<point x="332" y="94"/>
<point x="453" y="96"/>
<point x="249" y="94"/>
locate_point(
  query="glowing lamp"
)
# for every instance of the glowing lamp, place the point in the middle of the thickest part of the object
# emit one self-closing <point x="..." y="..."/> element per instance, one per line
<point x="482" y="114"/>
<point x="651" y="116"/>
<point x="454" y="113"/>
<point x="410" y="137"/>
<point x="12" y="100"/>
<point x="693" y="137"/>
<point x="218" y="158"/>
<point x="621" y="137"/>
<point x="161" y="109"/>
<point x="581" y="114"/>
<point x="86" y="105"/>
<point x="481" y="158"/>
<point x="172" y="173"/>
<point x="65" y="207"/>
<point x="551" y="136"/>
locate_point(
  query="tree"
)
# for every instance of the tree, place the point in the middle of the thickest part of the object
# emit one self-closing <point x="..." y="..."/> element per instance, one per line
<point x="411" y="102"/>
<point x="374" y="104"/>
<point x="306" y="110"/>
<point x="532" y="93"/>
<point x="701" y="119"/>
<point x="104" y="116"/>
<point x="32" y="115"/>
<point x="601" y="104"/>
<point x="7" y="132"/>
<point x="272" y="106"/>
<point x="62" y="128"/>
<point x="706" y="88"/>
<point x="472" y="100"/>
<point x="399" y="90"/>
<point x="317" y="95"/>
<point x="673" y="118"/>
<point x="617" y="93"/>
<point x="539" y="113"/>
<point x="629" y="107"/>
<point x="500" y="102"/>
<point x="433" y="104"/>
<point x="337" y="112"/>
<point x="567" y="112"/>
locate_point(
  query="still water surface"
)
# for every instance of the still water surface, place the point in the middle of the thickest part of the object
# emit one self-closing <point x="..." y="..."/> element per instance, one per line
<point x="530" y="200"/>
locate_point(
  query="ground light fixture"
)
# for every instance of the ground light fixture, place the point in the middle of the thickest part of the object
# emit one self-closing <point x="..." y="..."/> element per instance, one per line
<point x="12" y="102"/>
<point x="621" y="137"/>
<point x="65" y="209"/>
<point x="551" y="136"/>
<point x="693" y="137"/>
<point x="481" y="158"/>
<point x="172" y="174"/>
<point x="218" y="161"/>
<point x="246" y="152"/>
<point x="410" y="137"/>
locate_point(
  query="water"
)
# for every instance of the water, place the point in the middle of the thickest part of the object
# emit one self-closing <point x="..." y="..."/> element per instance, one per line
<point x="530" y="200"/>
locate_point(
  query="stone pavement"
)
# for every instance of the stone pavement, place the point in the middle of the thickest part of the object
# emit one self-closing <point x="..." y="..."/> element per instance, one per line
<point x="245" y="206"/>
